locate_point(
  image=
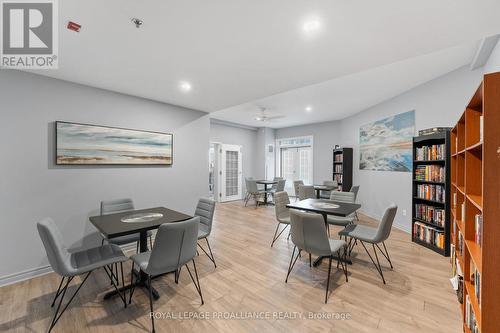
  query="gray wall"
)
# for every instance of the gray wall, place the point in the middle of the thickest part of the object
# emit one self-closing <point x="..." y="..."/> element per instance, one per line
<point x="436" y="103"/>
<point x="325" y="136"/>
<point x="246" y="138"/>
<point x="33" y="188"/>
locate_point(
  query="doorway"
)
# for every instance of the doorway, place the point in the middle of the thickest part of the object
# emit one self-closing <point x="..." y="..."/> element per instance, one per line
<point x="295" y="161"/>
<point x="226" y="172"/>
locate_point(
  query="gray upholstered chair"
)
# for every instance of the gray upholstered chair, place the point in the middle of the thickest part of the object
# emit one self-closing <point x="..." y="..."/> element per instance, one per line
<point x="282" y="213"/>
<point x="374" y="236"/>
<point x="120" y="206"/>
<point x="253" y="192"/>
<point x="296" y="184"/>
<point x="326" y="194"/>
<point x="71" y="264"/>
<point x="355" y="190"/>
<point x="174" y="247"/>
<point x="247" y="194"/>
<point x="339" y="196"/>
<point x="309" y="235"/>
<point x="280" y="187"/>
<point x="205" y="210"/>
<point x="306" y="192"/>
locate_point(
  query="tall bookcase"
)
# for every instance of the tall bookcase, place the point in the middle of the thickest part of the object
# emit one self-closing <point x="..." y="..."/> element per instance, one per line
<point x="431" y="192"/>
<point x="342" y="168"/>
<point x="475" y="232"/>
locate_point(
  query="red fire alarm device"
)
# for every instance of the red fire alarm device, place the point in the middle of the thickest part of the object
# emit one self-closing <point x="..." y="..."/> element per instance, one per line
<point x="74" y="26"/>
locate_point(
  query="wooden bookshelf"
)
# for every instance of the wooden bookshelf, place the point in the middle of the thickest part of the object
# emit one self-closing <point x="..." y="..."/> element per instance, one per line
<point x="432" y="161"/>
<point x="475" y="184"/>
<point x="342" y="168"/>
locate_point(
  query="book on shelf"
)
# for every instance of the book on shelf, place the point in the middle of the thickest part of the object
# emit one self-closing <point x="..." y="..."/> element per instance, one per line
<point x="428" y="234"/>
<point x="454" y="200"/>
<point x="478" y="229"/>
<point x="453" y="261"/>
<point x="338" y="168"/>
<point x="470" y="316"/>
<point x="338" y="178"/>
<point x="430" y="214"/>
<point x="475" y="279"/>
<point x="430" y="153"/>
<point x="338" y="157"/>
<point x="463" y="211"/>
<point x="431" y="173"/>
<point x="460" y="244"/>
<point x="431" y="192"/>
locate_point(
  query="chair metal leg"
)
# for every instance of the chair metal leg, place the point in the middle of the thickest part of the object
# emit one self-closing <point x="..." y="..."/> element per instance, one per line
<point x="110" y="274"/>
<point x="211" y="255"/>
<point x="377" y="265"/>
<point x="275" y="238"/>
<point x="58" y="292"/>
<point x="131" y="283"/>
<point x="177" y="275"/>
<point x="386" y="254"/>
<point x="310" y="260"/>
<point x="292" y="263"/>
<point x="57" y="314"/>
<point x="151" y="303"/>
<point x="197" y="282"/>
<point x="343" y="262"/>
<point x="328" y="281"/>
<point x="356" y="215"/>
<point x="150" y="242"/>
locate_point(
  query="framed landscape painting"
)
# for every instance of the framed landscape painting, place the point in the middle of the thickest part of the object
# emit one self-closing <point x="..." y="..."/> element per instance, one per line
<point x="81" y="144"/>
<point x="386" y="145"/>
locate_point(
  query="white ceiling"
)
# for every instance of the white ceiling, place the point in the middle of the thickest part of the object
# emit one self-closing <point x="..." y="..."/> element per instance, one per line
<point x="236" y="51"/>
<point x="339" y="98"/>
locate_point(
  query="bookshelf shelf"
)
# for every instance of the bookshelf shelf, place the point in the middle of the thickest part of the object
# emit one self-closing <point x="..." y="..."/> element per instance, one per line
<point x="476" y="186"/>
<point x="342" y="168"/>
<point x="478" y="145"/>
<point x="429" y="246"/>
<point x="431" y="191"/>
<point x="473" y="300"/>
<point x="476" y="200"/>
<point x="429" y="223"/>
<point x="430" y="201"/>
<point x="475" y="253"/>
<point x="429" y="161"/>
<point x="428" y="182"/>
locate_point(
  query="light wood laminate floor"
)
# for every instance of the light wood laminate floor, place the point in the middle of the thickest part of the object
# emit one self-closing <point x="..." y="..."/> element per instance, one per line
<point x="249" y="278"/>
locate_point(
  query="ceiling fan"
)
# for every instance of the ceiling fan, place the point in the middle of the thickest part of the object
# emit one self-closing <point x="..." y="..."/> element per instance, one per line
<point x="264" y="115"/>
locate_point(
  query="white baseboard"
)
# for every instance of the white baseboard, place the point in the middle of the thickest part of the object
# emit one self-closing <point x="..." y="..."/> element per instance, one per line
<point x="24" y="275"/>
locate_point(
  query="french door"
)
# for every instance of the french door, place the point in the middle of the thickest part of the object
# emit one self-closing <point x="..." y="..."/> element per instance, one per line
<point x="296" y="164"/>
<point x="230" y="172"/>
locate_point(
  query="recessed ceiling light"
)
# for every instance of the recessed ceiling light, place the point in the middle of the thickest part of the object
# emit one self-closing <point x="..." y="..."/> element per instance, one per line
<point x="309" y="108"/>
<point x="185" y="86"/>
<point x="311" y="25"/>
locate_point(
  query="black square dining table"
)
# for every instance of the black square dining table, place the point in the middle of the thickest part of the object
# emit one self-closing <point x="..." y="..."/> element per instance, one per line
<point x="311" y="205"/>
<point x="112" y="226"/>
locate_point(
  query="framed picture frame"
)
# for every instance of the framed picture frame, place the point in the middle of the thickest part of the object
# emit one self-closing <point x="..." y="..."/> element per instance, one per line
<point x="87" y="144"/>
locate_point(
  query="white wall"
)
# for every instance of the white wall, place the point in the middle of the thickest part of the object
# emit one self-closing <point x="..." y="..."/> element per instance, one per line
<point x="493" y="64"/>
<point x="32" y="187"/>
<point x="246" y="138"/>
<point x="325" y="136"/>
<point x="436" y="103"/>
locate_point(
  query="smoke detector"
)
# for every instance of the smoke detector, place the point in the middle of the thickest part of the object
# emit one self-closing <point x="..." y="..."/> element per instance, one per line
<point x="138" y="22"/>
